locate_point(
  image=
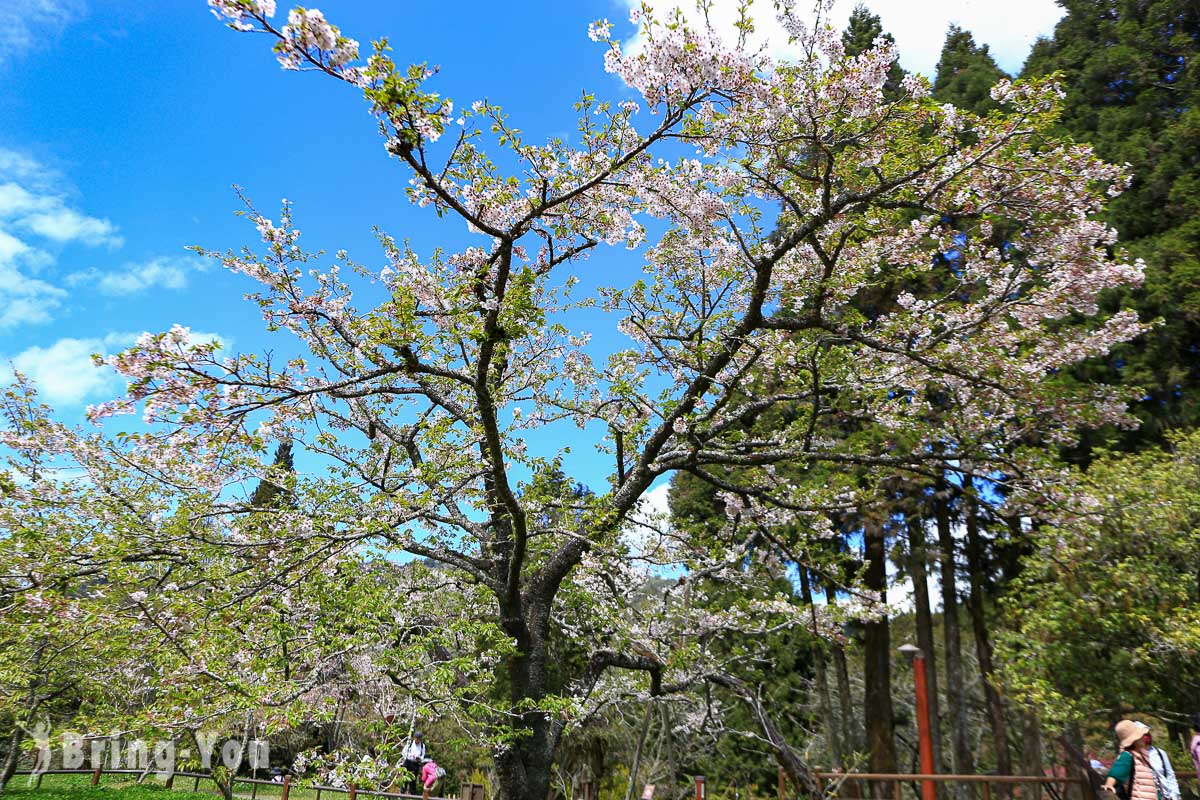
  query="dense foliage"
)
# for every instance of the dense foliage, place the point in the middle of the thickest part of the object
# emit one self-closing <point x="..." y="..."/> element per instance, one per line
<point x="1107" y="612"/>
<point x="1132" y="74"/>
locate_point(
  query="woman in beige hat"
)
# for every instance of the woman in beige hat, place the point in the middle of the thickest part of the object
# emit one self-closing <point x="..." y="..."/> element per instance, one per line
<point x="1132" y="770"/>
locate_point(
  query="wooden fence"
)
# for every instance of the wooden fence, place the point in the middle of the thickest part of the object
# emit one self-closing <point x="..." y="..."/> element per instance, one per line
<point x="844" y="784"/>
<point x="893" y="785"/>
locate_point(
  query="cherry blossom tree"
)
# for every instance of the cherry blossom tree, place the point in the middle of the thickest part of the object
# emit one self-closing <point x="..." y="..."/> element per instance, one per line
<point x="144" y="609"/>
<point x="61" y="641"/>
<point x="798" y="188"/>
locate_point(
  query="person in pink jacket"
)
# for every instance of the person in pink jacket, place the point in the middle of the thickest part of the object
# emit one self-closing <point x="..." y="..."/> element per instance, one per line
<point x="430" y="773"/>
<point x="1194" y="747"/>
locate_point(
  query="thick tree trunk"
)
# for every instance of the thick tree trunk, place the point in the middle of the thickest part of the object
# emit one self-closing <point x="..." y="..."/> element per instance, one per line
<point x="12" y="757"/>
<point x="597" y="758"/>
<point x="918" y="565"/>
<point x="1031" y="753"/>
<point x="824" y="698"/>
<point x="841" y="670"/>
<point x="983" y="643"/>
<point x="956" y="695"/>
<point x="877" y="663"/>
<point x="523" y="767"/>
<point x="826" y="703"/>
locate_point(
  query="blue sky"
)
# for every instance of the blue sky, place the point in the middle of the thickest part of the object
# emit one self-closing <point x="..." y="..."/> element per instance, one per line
<point x="124" y="124"/>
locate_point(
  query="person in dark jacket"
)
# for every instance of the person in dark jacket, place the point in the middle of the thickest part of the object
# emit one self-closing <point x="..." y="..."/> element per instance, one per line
<point x="413" y="756"/>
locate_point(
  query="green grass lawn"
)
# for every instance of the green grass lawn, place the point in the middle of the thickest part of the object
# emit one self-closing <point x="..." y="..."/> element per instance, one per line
<point x="79" y="787"/>
<point x="126" y="787"/>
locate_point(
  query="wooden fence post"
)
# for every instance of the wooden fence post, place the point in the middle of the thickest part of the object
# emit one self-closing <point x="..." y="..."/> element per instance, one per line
<point x="352" y="790"/>
<point x="287" y="784"/>
<point x="96" y="776"/>
<point x="170" y="782"/>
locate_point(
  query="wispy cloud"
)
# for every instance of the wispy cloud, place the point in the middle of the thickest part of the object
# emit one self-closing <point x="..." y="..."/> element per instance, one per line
<point x="47" y="214"/>
<point x="159" y="273"/>
<point x="37" y="218"/>
<point x="24" y="300"/>
<point x="27" y="24"/>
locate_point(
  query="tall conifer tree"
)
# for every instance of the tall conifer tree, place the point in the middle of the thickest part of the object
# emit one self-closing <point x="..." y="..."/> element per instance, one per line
<point x="1132" y="73"/>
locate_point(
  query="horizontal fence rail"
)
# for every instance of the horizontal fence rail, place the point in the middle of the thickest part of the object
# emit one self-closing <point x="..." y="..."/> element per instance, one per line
<point x="850" y="784"/>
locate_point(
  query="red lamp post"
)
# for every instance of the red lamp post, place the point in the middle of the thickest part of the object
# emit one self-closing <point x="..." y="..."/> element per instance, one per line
<point x="924" y="737"/>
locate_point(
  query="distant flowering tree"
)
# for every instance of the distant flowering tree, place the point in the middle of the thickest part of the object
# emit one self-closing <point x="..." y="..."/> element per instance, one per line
<point x="136" y="603"/>
<point x="62" y="641"/>
<point x="805" y="190"/>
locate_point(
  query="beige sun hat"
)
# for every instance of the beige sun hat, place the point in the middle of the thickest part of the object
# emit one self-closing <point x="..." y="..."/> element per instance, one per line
<point x="1129" y="732"/>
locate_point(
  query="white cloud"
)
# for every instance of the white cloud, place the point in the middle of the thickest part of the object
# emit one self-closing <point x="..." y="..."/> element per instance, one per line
<point x="205" y="337"/>
<point x="24" y="24"/>
<point x="64" y="372"/>
<point x="66" y="376"/>
<point x="18" y="165"/>
<point x="645" y="529"/>
<point x="657" y="501"/>
<point x="158" y="273"/>
<point x="15" y="199"/>
<point x="63" y="224"/>
<point x="24" y="300"/>
<point x="1009" y="28"/>
<point x="35" y="219"/>
<point x="46" y="214"/>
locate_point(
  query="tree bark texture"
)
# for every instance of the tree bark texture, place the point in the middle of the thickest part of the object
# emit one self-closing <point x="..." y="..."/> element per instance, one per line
<point x="877" y="672"/>
<point x="824" y="698"/>
<point x="956" y="695"/>
<point x="1031" y="753"/>
<point x="841" y="670"/>
<point x="983" y="643"/>
<point x="918" y="570"/>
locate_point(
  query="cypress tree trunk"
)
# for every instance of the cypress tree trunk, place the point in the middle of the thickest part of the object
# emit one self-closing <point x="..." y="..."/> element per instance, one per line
<point x="1031" y="753"/>
<point x="842" y="671"/>
<point x="877" y="664"/>
<point x="983" y="643"/>
<point x="823" y="696"/>
<point x="918" y="559"/>
<point x="956" y="694"/>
